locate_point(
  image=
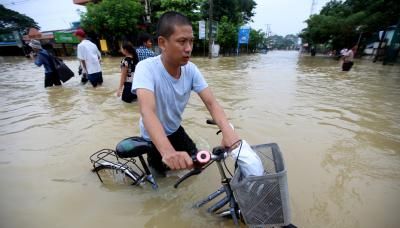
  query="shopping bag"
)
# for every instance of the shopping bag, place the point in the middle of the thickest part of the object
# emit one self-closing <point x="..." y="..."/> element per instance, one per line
<point x="62" y="69"/>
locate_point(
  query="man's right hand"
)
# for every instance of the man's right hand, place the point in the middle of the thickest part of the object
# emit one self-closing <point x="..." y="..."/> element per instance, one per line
<point x="32" y="55"/>
<point x="178" y="160"/>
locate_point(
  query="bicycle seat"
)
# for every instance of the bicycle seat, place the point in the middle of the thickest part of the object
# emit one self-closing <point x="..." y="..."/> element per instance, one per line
<point x="132" y="147"/>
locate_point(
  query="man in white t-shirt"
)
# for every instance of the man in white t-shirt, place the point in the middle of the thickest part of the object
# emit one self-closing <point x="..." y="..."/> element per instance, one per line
<point x="348" y="58"/>
<point x="163" y="85"/>
<point x="89" y="56"/>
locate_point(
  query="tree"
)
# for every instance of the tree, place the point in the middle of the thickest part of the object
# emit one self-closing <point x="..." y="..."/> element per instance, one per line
<point x="231" y="14"/>
<point x="189" y="8"/>
<point x="283" y="43"/>
<point x="113" y="17"/>
<point x="257" y="40"/>
<point x="11" y="20"/>
<point x="238" y="12"/>
<point x="227" y="35"/>
<point x="340" y="22"/>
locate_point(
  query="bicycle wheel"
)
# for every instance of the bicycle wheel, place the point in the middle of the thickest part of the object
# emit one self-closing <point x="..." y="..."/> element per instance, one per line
<point x="114" y="174"/>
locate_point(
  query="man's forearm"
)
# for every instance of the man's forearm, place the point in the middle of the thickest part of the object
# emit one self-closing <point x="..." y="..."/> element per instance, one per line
<point x="156" y="132"/>
<point x="84" y="66"/>
<point x="219" y="117"/>
<point x="218" y="114"/>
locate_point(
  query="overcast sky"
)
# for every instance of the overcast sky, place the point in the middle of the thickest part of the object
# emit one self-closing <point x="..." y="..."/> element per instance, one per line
<point x="283" y="16"/>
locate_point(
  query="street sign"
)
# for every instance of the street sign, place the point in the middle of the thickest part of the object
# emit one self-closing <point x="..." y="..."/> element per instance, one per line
<point x="202" y="30"/>
<point x="103" y="45"/>
<point x="244" y="35"/>
<point x="65" y="37"/>
<point x="214" y="29"/>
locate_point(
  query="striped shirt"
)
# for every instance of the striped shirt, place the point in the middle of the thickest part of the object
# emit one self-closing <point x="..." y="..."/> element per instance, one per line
<point x="144" y="53"/>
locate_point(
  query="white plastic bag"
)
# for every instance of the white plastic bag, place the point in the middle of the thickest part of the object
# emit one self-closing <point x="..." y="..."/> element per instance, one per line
<point x="248" y="161"/>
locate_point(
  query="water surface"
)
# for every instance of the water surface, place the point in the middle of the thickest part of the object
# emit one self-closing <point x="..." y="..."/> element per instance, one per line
<point x="339" y="133"/>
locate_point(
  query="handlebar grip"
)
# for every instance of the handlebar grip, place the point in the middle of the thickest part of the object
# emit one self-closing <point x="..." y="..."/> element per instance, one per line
<point x="199" y="160"/>
<point x="203" y="156"/>
<point x="211" y="121"/>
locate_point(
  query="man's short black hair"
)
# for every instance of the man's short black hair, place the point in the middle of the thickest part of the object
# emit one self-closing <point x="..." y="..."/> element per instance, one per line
<point x="168" y="21"/>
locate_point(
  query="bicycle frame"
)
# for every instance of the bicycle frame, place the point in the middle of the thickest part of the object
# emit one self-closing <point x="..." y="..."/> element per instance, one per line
<point x="218" y="155"/>
<point x="229" y="198"/>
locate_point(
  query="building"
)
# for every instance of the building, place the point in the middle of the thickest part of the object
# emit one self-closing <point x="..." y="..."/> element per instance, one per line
<point x="11" y="44"/>
<point x="60" y="42"/>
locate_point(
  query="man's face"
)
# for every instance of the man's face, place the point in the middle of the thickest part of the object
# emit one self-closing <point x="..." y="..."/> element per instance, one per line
<point x="178" y="47"/>
<point x="80" y="38"/>
<point x="148" y="44"/>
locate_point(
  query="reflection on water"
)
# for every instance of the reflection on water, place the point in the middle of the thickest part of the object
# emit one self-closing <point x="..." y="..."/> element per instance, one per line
<point x="339" y="132"/>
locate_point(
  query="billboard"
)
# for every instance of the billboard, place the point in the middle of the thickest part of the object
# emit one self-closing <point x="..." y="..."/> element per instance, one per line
<point x="202" y="30"/>
<point x="65" y="37"/>
<point x="244" y="35"/>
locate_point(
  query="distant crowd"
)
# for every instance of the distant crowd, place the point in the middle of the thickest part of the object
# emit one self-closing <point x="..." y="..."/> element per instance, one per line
<point x="89" y="57"/>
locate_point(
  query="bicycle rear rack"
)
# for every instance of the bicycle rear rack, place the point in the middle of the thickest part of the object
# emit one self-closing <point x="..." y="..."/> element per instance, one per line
<point x="108" y="158"/>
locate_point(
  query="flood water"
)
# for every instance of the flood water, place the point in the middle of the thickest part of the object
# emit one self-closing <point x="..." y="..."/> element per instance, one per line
<point x="339" y="133"/>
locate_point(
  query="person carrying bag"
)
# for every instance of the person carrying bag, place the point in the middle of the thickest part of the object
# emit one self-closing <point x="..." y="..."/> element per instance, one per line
<point x="63" y="71"/>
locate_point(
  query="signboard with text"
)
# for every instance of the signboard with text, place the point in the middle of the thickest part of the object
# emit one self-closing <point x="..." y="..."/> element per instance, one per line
<point x="202" y="30"/>
<point x="244" y="35"/>
<point x="65" y="37"/>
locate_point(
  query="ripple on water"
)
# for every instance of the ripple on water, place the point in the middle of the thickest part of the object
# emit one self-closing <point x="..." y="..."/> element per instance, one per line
<point x="340" y="134"/>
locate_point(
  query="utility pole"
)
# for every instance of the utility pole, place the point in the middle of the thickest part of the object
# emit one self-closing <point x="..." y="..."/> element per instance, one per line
<point x="314" y="2"/>
<point x="147" y="10"/>
<point x="210" y="18"/>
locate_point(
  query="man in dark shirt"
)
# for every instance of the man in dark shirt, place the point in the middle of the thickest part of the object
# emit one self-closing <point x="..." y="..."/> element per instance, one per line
<point x="42" y="57"/>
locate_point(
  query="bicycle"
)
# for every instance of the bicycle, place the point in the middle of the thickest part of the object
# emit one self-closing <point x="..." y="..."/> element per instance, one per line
<point x="270" y="209"/>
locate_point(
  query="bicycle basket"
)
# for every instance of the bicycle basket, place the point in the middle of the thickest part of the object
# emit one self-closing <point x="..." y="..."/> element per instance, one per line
<point x="264" y="200"/>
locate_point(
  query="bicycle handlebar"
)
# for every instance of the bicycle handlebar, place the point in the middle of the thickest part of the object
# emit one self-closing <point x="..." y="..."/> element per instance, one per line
<point x="201" y="159"/>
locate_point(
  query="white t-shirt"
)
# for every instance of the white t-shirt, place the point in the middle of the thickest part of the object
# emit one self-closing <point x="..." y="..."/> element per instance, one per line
<point x="349" y="56"/>
<point x="89" y="52"/>
<point x="172" y="95"/>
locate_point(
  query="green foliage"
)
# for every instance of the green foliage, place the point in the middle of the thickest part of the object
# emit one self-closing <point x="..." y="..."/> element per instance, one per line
<point x="189" y="8"/>
<point x="231" y="14"/>
<point x="115" y="17"/>
<point x="120" y="17"/>
<point x="282" y="43"/>
<point x="257" y="40"/>
<point x="227" y="34"/>
<point x="11" y="20"/>
<point x="237" y="11"/>
<point x="340" y="22"/>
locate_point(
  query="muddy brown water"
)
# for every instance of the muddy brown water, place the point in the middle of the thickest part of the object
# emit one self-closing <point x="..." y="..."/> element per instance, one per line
<point x="339" y="133"/>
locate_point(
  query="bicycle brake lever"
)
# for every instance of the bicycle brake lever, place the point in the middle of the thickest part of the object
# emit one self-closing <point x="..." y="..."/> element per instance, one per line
<point x="195" y="171"/>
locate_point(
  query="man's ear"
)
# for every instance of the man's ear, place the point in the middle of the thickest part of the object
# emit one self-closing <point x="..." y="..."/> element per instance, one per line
<point x="161" y="42"/>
